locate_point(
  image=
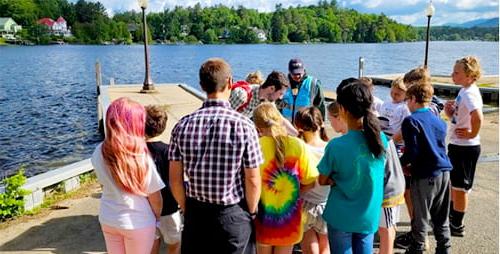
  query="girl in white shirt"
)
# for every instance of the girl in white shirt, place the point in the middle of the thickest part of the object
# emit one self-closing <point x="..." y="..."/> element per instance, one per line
<point x="131" y="201"/>
<point x="309" y="122"/>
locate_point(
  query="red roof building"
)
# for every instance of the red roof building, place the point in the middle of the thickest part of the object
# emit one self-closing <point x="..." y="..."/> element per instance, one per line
<point x="58" y="27"/>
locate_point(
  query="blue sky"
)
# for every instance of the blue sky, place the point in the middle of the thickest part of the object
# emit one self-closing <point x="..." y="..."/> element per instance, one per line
<point x="404" y="11"/>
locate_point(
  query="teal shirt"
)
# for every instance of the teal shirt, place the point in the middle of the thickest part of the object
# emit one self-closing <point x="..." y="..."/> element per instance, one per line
<point x="354" y="203"/>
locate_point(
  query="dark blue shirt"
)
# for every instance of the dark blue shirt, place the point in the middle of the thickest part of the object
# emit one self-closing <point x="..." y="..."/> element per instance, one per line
<point x="425" y="144"/>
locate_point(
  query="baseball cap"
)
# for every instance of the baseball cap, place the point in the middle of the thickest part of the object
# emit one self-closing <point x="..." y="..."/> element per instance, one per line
<point x="296" y="66"/>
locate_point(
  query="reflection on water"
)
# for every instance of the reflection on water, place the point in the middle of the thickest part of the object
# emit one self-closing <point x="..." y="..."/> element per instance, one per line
<point x="48" y="96"/>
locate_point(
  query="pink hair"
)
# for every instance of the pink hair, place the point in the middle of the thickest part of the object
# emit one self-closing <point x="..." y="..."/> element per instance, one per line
<point x="124" y="149"/>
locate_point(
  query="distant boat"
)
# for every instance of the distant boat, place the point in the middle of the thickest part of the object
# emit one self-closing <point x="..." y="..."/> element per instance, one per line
<point x="58" y="42"/>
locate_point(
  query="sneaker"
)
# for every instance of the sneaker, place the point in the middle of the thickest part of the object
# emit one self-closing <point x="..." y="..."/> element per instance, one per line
<point x="403" y="241"/>
<point x="458" y="231"/>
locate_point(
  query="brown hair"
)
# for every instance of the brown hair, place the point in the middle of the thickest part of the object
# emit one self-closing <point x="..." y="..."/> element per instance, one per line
<point x="419" y="75"/>
<point x="311" y="119"/>
<point x="156" y="121"/>
<point x="471" y="66"/>
<point x="267" y="116"/>
<point x="276" y="79"/>
<point x="334" y="108"/>
<point x="422" y="93"/>
<point x="214" y="75"/>
<point x="399" y="84"/>
<point x="254" y="78"/>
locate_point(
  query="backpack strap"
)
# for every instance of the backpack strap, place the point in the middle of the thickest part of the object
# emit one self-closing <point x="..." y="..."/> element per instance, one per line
<point x="245" y="86"/>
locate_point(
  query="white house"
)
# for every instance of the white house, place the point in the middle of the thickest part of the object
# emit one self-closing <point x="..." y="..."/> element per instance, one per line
<point x="8" y="28"/>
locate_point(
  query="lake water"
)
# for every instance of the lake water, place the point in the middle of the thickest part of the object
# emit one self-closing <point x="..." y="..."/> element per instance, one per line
<point x="48" y="96"/>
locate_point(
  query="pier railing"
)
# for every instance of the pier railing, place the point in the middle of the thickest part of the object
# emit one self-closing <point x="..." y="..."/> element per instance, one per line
<point x="68" y="176"/>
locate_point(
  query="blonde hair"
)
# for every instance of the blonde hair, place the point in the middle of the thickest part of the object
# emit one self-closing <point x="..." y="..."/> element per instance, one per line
<point x="267" y="116"/>
<point x="254" y="78"/>
<point x="399" y="84"/>
<point x="471" y="67"/>
<point x="419" y="75"/>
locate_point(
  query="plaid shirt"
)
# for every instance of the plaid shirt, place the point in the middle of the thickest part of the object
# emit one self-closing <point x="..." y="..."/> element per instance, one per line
<point x="215" y="143"/>
<point x="239" y="96"/>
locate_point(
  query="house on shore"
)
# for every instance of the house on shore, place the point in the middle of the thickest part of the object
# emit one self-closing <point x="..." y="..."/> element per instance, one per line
<point x="8" y="28"/>
<point x="58" y="27"/>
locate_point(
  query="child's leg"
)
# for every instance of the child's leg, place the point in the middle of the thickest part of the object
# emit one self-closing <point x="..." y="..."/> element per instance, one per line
<point x="387" y="228"/>
<point x="422" y="196"/>
<point x="387" y="236"/>
<point x="156" y="246"/>
<point x="264" y="249"/>
<point x="340" y="242"/>
<point x="310" y="243"/>
<point x="463" y="159"/>
<point x="409" y="204"/>
<point x="283" y="249"/>
<point x="324" y="247"/>
<point x="114" y="240"/>
<point x="440" y="213"/>
<point x="362" y="243"/>
<point x="139" y="241"/>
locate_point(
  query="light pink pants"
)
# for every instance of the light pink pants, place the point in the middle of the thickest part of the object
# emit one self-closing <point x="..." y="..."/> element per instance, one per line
<point x="122" y="241"/>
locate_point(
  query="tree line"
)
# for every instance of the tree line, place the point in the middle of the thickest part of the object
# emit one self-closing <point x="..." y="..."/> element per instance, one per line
<point x="323" y="22"/>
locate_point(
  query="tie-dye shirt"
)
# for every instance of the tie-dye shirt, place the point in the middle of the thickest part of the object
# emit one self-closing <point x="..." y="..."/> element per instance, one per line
<point x="279" y="221"/>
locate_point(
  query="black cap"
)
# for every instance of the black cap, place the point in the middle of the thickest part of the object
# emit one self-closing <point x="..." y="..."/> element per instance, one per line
<point x="296" y="66"/>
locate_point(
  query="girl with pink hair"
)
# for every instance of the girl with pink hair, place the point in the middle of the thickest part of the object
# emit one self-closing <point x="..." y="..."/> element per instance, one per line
<point x="131" y="201"/>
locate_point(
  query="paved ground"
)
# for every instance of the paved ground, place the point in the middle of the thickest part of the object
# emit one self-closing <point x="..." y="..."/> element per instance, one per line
<point x="76" y="229"/>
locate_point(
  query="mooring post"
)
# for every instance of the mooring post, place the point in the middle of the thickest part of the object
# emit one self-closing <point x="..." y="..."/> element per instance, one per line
<point x="98" y="76"/>
<point x="361" y="66"/>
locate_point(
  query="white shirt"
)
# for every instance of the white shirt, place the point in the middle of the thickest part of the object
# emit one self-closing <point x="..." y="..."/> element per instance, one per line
<point x="318" y="194"/>
<point x="376" y="105"/>
<point x="396" y="113"/>
<point x="121" y="209"/>
<point x="468" y="100"/>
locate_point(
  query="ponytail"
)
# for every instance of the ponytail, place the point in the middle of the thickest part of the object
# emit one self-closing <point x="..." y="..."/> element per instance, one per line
<point x="357" y="99"/>
<point x="371" y="130"/>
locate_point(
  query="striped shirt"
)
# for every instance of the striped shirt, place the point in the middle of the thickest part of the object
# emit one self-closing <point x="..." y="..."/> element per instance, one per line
<point x="215" y="144"/>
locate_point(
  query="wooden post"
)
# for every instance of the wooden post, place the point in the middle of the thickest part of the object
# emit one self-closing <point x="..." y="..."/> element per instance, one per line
<point x="98" y="76"/>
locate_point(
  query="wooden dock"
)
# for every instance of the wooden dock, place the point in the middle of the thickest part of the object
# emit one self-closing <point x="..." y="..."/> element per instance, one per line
<point x="177" y="99"/>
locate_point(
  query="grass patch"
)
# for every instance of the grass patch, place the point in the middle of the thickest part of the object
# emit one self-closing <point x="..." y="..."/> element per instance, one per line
<point x="88" y="183"/>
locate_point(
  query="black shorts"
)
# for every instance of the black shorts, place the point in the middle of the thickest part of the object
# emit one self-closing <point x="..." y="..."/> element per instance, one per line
<point x="463" y="159"/>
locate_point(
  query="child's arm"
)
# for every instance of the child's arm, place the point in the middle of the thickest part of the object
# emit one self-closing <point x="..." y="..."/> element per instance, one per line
<point x="176" y="180"/>
<point x="476" y="119"/>
<point x="449" y="108"/>
<point x="325" y="180"/>
<point x="409" y="131"/>
<point x="156" y="202"/>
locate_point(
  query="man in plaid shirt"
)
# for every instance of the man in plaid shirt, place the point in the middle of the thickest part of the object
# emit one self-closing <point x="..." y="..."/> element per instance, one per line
<point x="271" y="90"/>
<point x="218" y="150"/>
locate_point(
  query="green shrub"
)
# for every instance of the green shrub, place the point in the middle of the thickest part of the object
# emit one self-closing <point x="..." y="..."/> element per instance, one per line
<point x="12" y="200"/>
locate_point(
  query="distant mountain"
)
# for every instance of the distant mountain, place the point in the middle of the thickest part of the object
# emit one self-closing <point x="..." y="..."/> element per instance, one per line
<point x="493" y="22"/>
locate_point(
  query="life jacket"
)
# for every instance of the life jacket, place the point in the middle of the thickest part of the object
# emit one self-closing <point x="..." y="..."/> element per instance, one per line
<point x="248" y="89"/>
<point x="303" y="99"/>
